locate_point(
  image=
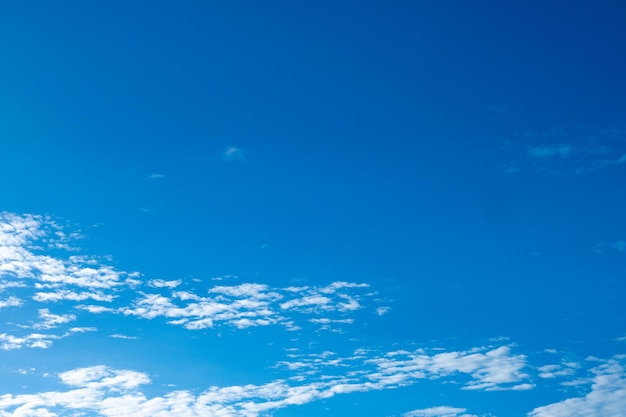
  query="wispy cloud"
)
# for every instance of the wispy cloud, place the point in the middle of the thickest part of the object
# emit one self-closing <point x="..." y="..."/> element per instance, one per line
<point x="548" y="151"/>
<point x="107" y="391"/>
<point x="561" y="151"/>
<point x="122" y="336"/>
<point x="233" y="153"/>
<point x="156" y="176"/>
<point x="439" y="411"/>
<point x="490" y="369"/>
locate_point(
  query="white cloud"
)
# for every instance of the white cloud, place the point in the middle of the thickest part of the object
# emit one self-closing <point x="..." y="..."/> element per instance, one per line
<point x="439" y="411"/>
<point x="50" y="321"/>
<point x="381" y="311"/>
<point x="122" y="336"/>
<point x="82" y="330"/>
<point x="607" y="397"/>
<point x="34" y="340"/>
<point x="160" y="283"/>
<point x="488" y="369"/>
<point x="564" y="369"/>
<point x="233" y="153"/>
<point x="309" y="301"/>
<point x="59" y="295"/>
<point x="111" y="392"/>
<point x="102" y="376"/>
<point x="11" y="302"/>
<point x="248" y="305"/>
<point x="94" y="309"/>
<point x="19" y="236"/>
<point x="77" y="278"/>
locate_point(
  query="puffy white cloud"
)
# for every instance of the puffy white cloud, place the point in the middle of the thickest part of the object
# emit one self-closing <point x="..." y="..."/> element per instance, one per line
<point x="161" y="283"/>
<point x="34" y="340"/>
<point x="11" y="302"/>
<point x="50" y="321"/>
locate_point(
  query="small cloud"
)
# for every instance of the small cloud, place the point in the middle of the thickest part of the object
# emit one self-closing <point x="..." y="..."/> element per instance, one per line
<point x="80" y="330"/>
<point x="561" y="150"/>
<point x="381" y="311"/>
<point x="161" y="283"/>
<point x="441" y="411"/>
<point x="121" y="336"/>
<point x="233" y="153"/>
<point x="156" y="176"/>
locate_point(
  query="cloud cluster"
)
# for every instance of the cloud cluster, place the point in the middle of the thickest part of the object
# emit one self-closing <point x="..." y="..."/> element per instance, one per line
<point x="31" y="262"/>
<point x="606" y="398"/>
<point x="486" y="369"/>
<point x="111" y="392"/>
<point x="248" y="305"/>
<point x="40" y="273"/>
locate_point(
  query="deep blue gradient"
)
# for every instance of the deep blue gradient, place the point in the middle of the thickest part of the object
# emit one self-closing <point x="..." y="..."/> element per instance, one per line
<point x="467" y="161"/>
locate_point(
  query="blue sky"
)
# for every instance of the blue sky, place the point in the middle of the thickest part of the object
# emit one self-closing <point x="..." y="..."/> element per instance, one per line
<point x="252" y="209"/>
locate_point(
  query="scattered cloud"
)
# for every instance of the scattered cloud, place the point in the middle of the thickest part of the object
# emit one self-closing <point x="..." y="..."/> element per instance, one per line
<point x="607" y="396"/>
<point x="563" y="369"/>
<point x="602" y="247"/>
<point x="107" y="391"/>
<point x="90" y="286"/>
<point x="39" y="281"/>
<point x="566" y="151"/>
<point x="247" y="305"/>
<point x="488" y="369"/>
<point x="619" y="246"/>
<point x="548" y="151"/>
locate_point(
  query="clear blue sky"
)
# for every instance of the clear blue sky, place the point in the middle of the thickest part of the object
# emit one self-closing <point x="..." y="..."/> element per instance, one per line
<point x="252" y="209"/>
